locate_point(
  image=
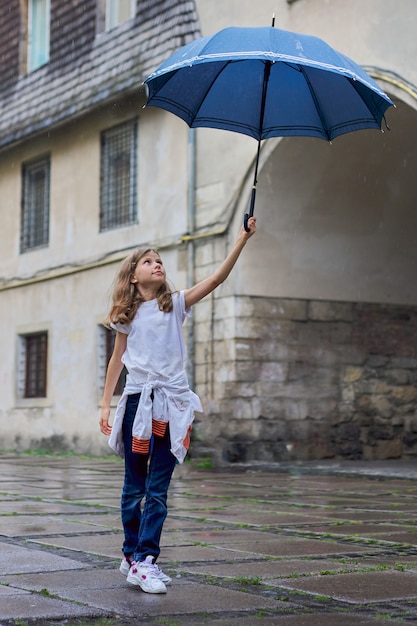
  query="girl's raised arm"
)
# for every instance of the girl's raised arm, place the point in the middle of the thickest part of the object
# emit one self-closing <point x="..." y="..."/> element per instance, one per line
<point x="206" y="286"/>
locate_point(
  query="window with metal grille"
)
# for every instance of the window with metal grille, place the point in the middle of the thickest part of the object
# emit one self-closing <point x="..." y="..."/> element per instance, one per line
<point x="118" y="180"/>
<point x="35" y="348"/>
<point x="107" y="338"/>
<point x="34" y="230"/>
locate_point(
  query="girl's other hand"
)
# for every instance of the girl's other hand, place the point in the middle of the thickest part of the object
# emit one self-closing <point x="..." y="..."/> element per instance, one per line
<point x="104" y="421"/>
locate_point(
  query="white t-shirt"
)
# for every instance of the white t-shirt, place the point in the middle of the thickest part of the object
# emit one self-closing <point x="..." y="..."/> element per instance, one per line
<point x="155" y="343"/>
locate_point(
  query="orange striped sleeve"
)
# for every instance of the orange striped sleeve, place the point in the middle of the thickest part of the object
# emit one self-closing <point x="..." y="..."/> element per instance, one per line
<point x="140" y="446"/>
<point x="159" y="428"/>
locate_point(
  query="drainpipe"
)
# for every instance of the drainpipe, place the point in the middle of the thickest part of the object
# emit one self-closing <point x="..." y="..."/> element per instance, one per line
<point x="191" y="249"/>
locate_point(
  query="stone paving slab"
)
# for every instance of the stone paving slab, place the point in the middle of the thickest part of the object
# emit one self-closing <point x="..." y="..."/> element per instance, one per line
<point x="29" y="526"/>
<point x="382" y="561"/>
<point x="289" y="546"/>
<point x="185" y="599"/>
<point x="355" y="515"/>
<point x="178" y="524"/>
<point x="108" y="590"/>
<point x="182" y="600"/>
<point x="71" y="581"/>
<point x="259" y="518"/>
<point x="109" y="503"/>
<point x="30" y="507"/>
<point x="359" y="587"/>
<point x="103" y="521"/>
<point x="24" y="606"/>
<point x="244" y="545"/>
<point x="108" y="544"/>
<point x="409" y="538"/>
<point x="18" y="559"/>
<point x="192" y="554"/>
<point x="233" y="537"/>
<point x="10" y="591"/>
<point x="267" y="570"/>
<point x="312" y="619"/>
<point x="363" y="530"/>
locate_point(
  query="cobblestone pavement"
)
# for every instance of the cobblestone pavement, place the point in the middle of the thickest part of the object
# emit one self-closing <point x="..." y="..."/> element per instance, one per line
<point x="317" y="544"/>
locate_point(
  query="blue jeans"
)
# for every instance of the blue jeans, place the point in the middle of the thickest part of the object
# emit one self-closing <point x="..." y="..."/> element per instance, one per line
<point x="146" y="477"/>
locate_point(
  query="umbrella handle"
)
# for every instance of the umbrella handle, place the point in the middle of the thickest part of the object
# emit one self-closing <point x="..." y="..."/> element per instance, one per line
<point x="245" y="222"/>
<point x="252" y="206"/>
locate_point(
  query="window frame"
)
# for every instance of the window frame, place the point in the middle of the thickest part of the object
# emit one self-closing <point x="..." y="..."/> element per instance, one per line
<point x="41" y="47"/>
<point x="111" y="13"/>
<point x="105" y="20"/>
<point x="34" y="215"/>
<point x="114" y="215"/>
<point x="33" y="365"/>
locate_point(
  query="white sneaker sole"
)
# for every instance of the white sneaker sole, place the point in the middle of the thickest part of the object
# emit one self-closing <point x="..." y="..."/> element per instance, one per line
<point x="137" y="583"/>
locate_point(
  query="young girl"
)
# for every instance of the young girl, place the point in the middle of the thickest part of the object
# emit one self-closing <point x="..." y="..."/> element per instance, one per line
<point x="154" y="415"/>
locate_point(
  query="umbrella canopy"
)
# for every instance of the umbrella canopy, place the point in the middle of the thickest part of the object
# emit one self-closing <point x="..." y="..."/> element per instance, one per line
<point x="266" y="82"/>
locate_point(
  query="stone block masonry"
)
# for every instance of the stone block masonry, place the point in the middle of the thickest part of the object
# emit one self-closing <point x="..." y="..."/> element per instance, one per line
<point x="296" y="379"/>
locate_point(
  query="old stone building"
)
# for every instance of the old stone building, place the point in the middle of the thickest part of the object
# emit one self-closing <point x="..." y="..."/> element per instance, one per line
<point x="82" y="174"/>
<point x="308" y="350"/>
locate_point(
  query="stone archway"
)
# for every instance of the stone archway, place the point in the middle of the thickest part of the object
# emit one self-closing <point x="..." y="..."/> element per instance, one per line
<point x="325" y="359"/>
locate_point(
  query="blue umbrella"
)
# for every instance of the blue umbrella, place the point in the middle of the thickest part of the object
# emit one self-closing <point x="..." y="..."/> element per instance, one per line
<point x="266" y="82"/>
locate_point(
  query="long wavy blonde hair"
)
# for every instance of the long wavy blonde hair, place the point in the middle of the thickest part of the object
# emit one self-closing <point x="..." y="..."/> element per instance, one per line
<point x="126" y="298"/>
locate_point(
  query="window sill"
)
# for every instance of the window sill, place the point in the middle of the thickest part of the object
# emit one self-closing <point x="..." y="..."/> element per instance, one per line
<point x="33" y="403"/>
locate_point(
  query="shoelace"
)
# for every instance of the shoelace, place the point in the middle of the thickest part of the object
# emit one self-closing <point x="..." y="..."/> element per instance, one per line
<point x="154" y="569"/>
<point x="151" y="567"/>
<point x="158" y="570"/>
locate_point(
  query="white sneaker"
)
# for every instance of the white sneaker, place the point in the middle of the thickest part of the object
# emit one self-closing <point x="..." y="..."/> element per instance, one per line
<point x="161" y="575"/>
<point x="126" y="564"/>
<point x="145" y="575"/>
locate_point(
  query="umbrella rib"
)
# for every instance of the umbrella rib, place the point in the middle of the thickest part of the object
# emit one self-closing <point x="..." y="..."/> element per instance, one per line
<point x="352" y="84"/>
<point x="207" y="90"/>
<point x="316" y="104"/>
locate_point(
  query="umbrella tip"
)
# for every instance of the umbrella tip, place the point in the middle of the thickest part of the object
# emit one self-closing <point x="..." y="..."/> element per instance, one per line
<point x="387" y="126"/>
<point x="273" y="19"/>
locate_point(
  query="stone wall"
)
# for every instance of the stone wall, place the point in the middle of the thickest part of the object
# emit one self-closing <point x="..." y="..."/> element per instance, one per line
<point x="296" y="379"/>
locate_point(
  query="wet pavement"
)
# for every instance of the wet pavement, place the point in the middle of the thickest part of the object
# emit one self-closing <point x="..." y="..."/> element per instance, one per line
<point x="317" y="544"/>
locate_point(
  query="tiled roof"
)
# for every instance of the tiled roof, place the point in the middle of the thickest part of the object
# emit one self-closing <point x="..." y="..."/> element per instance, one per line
<point x="87" y="69"/>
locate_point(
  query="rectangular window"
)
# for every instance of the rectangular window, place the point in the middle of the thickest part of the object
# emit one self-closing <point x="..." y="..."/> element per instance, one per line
<point x="34" y="231"/>
<point x="118" y="186"/>
<point x="119" y="11"/>
<point x="107" y="338"/>
<point x="34" y="364"/>
<point x="38" y="26"/>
